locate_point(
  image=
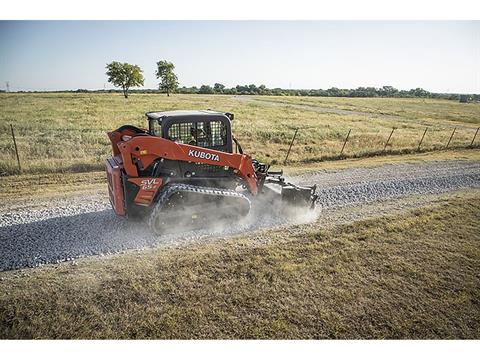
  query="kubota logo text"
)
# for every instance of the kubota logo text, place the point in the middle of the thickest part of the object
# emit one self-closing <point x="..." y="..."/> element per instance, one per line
<point x="203" y="155"/>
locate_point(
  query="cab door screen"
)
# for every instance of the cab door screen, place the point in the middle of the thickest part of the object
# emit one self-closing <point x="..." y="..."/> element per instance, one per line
<point x="208" y="134"/>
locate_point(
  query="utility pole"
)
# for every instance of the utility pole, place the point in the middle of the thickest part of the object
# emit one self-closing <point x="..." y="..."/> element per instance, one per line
<point x="7" y="84"/>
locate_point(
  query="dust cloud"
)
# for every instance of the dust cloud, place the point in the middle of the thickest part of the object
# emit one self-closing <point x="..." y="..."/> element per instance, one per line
<point x="267" y="210"/>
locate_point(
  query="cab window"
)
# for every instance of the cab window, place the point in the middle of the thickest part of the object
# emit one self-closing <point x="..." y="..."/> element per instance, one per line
<point x="208" y="134"/>
<point x="157" y="127"/>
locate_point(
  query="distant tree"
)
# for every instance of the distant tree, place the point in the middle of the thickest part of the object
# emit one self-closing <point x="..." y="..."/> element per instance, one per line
<point x="231" y="91"/>
<point x="168" y="79"/>
<point x="371" y="92"/>
<point x="388" y="91"/>
<point x="218" y="88"/>
<point x="419" y="92"/>
<point x="252" y="89"/>
<point x="278" y="91"/>
<point x="262" y="90"/>
<point x="242" y="89"/>
<point x="334" y="92"/>
<point x="124" y="75"/>
<point x="205" y="89"/>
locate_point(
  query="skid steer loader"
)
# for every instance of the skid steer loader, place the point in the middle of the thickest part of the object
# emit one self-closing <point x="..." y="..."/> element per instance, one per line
<point x="183" y="168"/>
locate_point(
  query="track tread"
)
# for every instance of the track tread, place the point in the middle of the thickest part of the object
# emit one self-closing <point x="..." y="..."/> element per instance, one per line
<point x="171" y="189"/>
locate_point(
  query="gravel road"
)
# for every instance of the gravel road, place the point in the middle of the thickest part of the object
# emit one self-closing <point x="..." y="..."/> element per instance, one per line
<point x="82" y="226"/>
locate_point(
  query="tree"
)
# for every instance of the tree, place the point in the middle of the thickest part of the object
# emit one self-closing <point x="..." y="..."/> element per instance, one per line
<point x="168" y="79"/>
<point x="124" y="75"/>
<point x="218" y="88"/>
<point x="242" y="89"/>
<point x="205" y="89"/>
<point x="334" y="92"/>
<point x="419" y="92"/>
<point x="262" y="90"/>
<point x="388" y="91"/>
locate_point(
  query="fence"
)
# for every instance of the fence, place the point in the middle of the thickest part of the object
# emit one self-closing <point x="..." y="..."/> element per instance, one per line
<point x="75" y="149"/>
<point x="30" y="149"/>
<point x="418" y="148"/>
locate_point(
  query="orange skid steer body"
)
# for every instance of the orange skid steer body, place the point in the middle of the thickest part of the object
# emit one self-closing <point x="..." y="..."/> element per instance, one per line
<point x="185" y="161"/>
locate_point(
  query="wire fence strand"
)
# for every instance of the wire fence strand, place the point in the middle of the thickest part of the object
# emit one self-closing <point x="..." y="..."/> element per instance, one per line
<point x="22" y="148"/>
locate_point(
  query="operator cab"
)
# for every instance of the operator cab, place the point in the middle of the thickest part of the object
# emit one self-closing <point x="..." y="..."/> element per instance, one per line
<point x="205" y="128"/>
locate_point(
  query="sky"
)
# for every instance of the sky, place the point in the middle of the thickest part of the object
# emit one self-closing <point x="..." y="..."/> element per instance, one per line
<point x="439" y="56"/>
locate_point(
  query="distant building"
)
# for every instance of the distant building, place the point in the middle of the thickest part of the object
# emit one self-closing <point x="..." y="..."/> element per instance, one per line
<point x="463" y="98"/>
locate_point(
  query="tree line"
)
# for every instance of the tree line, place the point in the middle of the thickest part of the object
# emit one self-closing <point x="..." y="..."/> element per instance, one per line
<point x="385" y="91"/>
<point x="127" y="76"/>
<point x="333" y="92"/>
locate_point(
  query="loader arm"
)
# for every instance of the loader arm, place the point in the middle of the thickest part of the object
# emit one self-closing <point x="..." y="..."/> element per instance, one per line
<point x="141" y="150"/>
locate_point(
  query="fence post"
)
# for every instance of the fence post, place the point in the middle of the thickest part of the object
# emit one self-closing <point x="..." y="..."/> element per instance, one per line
<point x="345" y="142"/>
<point x="388" y="140"/>
<point x="421" y="140"/>
<point x="451" y="136"/>
<point x="474" y="136"/>
<point x="290" y="147"/>
<point x="16" y="149"/>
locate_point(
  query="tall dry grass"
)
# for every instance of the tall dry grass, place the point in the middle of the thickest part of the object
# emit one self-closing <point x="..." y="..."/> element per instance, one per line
<point x="66" y="132"/>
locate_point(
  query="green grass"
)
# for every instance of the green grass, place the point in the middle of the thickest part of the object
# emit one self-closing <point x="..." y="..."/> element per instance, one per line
<point x="404" y="276"/>
<point x="66" y="132"/>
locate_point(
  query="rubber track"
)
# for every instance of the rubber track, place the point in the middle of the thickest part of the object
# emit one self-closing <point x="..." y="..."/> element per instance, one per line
<point x="171" y="189"/>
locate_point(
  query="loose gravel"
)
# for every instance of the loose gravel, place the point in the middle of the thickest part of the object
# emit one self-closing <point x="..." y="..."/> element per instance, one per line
<point x="85" y="226"/>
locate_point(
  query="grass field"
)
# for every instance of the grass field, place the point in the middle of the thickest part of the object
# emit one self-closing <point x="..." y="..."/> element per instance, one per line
<point x="66" y="132"/>
<point x="414" y="275"/>
<point x="427" y="111"/>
